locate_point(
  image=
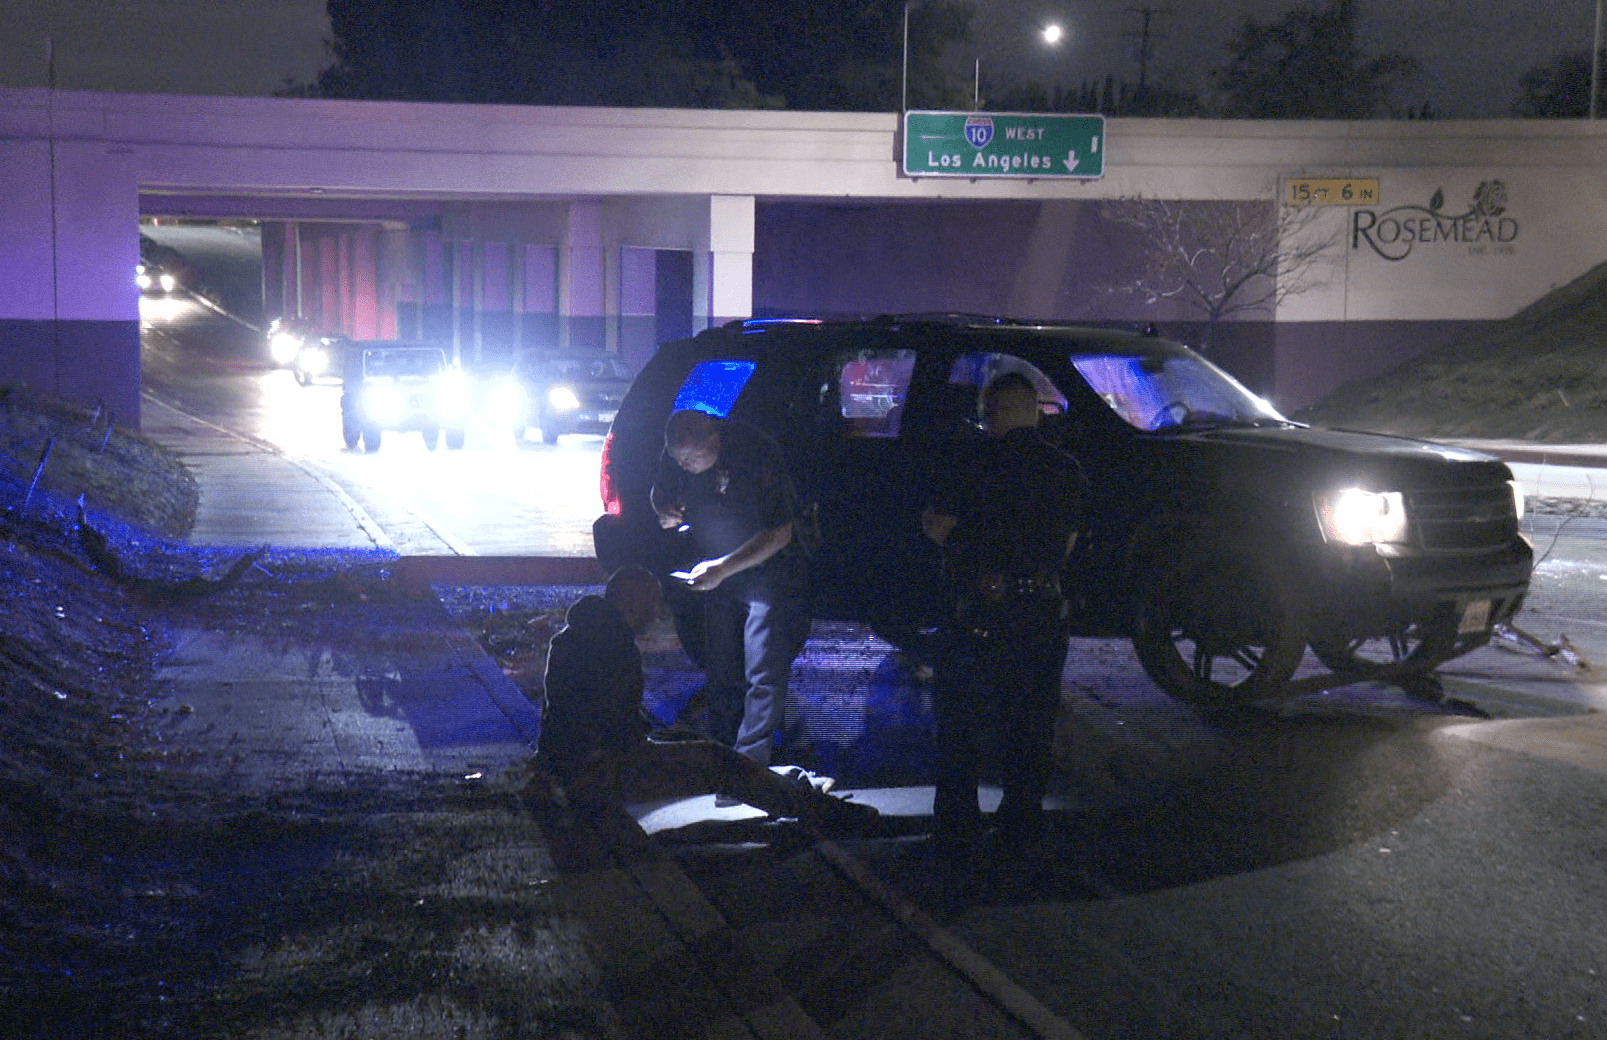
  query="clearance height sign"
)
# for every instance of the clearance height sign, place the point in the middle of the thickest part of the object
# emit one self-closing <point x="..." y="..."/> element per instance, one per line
<point x="1003" y="144"/>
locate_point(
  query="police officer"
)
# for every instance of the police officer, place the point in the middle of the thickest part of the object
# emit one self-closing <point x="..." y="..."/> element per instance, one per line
<point x="1006" y="528"/>
<point x="727" y="482"/>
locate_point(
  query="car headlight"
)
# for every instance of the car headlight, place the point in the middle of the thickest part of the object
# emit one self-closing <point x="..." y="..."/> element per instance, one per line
<point x="563" y="399"/>
<point x="452" y="397"/>
<point x="1517" y="498"/>
<point x="506" y="403"/>
<point x="1351" y="516"/>
<point x="314" y="361"/>
<point x="142" y="280"/>
<point x="169" y="283"/>
<point x="383" y="403"/>
<point x="282" y="347"/>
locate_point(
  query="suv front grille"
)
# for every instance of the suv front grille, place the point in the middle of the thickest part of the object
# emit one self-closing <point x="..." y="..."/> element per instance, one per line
<point x="1463" y="518"/>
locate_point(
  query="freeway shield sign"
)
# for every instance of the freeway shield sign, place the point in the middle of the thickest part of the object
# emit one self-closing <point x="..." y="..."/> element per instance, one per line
<point x="1004" y="144"/>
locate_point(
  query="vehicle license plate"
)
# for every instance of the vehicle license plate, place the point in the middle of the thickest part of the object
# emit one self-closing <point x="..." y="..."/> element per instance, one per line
<point x="1475" y="617"/>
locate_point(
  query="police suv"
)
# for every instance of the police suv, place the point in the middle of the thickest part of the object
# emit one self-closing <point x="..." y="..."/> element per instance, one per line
<point x="1223" y="539"/>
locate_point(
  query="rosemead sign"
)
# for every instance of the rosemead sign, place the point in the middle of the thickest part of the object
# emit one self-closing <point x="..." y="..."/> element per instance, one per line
<point x="1004" y="144"/>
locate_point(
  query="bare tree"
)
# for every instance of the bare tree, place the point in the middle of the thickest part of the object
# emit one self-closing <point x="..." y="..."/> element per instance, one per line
<point x="1222" y="259"/>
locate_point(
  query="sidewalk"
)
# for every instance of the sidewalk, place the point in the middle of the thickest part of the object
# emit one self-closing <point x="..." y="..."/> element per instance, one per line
<point x="399" y="688"/>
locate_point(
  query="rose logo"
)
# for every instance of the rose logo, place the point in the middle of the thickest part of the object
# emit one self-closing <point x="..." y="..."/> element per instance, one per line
<point x="1490" y="199"/>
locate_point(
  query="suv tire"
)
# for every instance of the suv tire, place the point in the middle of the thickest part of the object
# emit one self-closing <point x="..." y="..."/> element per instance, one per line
<point x="1217" y="627"/>
<point x="1411" y="651"/>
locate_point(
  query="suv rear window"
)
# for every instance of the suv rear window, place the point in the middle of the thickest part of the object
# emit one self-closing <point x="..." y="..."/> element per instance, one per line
<point x="714" y="386"/>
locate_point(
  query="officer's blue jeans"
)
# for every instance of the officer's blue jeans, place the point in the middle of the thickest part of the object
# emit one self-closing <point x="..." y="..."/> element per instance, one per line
<point x="749" y="650"/>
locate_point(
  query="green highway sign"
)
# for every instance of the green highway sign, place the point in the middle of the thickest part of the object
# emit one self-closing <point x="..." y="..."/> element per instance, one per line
<point x="1003" y="144"/>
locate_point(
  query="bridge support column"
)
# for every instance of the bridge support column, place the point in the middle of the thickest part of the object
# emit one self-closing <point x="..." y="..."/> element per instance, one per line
<point x="582" y="324"/>
<point x="722" y="264"/>
<point x="69" y="310"/>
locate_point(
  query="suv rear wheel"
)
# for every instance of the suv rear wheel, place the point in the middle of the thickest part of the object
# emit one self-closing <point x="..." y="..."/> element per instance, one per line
<point x="1218" y="627"/>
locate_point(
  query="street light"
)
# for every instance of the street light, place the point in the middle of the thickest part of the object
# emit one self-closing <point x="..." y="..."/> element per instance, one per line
<point x="1053" y="34"/>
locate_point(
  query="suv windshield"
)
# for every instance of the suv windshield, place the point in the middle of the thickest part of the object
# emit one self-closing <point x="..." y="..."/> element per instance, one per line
<point x="588" y="368"/>
<point x="403" y="362"/>
<point x="1155" y="391"/>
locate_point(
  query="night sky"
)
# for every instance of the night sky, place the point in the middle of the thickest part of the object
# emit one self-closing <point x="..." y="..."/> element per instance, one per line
<point x="1472" y="51"/>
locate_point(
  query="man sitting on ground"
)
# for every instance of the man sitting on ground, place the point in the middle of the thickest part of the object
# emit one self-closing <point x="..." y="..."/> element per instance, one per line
<point x="594" y="732"/>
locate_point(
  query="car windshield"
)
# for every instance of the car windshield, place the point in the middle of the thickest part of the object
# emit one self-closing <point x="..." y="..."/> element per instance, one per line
<point x="403" y="362"/>
<point x="580" y="368"/>
<point x="1153" y="391"/>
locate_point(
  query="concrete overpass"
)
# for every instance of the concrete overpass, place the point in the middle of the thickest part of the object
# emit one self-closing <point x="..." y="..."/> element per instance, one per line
<point x="505" y="225"/>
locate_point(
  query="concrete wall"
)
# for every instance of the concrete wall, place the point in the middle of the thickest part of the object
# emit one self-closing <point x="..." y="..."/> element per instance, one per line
<point x="69" y="309"/>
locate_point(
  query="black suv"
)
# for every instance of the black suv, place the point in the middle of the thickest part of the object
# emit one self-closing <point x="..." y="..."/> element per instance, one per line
<point x="1223" y="538"/>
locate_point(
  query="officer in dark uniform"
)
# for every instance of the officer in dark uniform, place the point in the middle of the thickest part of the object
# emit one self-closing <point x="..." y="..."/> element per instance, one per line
<point x="1006" y="526"/>
<point x="727" y="482"/>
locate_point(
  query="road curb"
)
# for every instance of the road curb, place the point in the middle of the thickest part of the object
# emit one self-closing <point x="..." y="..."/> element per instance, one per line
<point x="419" y="571"/>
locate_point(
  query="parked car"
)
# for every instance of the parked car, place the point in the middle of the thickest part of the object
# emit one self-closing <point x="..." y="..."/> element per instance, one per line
<point x="1223" y="540"/>
<point x="560" y="393"/>
<point x="401" y="386"/>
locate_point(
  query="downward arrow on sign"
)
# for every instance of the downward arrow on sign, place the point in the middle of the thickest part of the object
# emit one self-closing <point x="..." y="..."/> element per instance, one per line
<point x="1071" y="161"/>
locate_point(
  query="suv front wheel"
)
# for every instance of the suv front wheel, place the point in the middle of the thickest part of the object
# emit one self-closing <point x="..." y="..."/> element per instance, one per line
<point x="1409" y="650"/>
<point x="1218" y="627"/>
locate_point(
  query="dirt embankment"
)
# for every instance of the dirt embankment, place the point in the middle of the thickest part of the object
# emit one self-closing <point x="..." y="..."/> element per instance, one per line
<point x="1540" y="375"/>
<point x="141" y="893"/>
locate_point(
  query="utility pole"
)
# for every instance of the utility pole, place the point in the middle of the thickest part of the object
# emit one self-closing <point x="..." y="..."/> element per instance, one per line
<point x="1146" y="37"/>
<point x="1595" y="62"/>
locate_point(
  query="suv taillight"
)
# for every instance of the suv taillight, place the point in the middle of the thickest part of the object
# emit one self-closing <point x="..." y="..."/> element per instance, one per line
<point x="605" y="478"/>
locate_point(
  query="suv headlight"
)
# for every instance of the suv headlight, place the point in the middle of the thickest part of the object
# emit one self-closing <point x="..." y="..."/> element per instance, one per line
<point x="1352" y="516"/>
<point x="383" y="403"/>
<point x="563" y="399"/>
<point x="1517" y="499"/>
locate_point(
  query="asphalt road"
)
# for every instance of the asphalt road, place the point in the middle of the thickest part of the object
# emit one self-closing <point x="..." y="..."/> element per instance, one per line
<point x="1354" y="863"/>
<point x="495" y="497"/>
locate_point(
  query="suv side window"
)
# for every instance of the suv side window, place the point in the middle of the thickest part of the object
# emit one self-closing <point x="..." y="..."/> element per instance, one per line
<point x="977" y="369"/>
<point x="714" y="386"/>
<point x="871" y="388"/>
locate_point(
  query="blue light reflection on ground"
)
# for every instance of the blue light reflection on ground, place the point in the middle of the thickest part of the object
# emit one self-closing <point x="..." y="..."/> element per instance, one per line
<point x="853" y="712"/>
